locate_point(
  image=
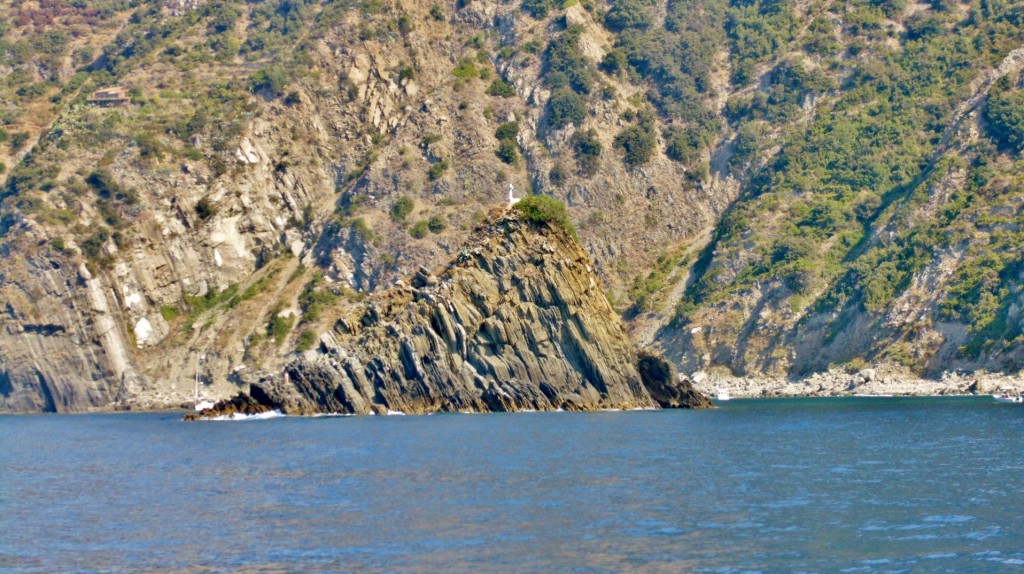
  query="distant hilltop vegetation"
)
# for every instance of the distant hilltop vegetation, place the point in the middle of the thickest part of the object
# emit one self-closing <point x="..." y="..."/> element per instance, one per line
<point x="199" y="189"/>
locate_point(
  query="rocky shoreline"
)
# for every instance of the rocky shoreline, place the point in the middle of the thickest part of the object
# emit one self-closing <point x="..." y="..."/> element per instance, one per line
<point x="881" y="381"/>
<point x="833" y="383"/>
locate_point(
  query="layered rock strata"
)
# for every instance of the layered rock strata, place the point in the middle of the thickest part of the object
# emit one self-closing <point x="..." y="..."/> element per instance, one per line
<point x="518" y="321"/>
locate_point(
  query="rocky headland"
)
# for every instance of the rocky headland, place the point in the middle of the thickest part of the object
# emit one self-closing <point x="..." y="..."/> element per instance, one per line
<point x="518" y="321"/>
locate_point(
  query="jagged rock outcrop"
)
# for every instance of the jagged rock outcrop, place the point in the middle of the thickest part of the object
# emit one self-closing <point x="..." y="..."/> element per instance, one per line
<point x="668" y="388"/>
<point x="518" y="321"/>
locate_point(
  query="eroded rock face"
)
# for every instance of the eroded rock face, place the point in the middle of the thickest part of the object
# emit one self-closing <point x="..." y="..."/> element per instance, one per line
<point x="666" y="387"/>
<point x="518" y="321"/>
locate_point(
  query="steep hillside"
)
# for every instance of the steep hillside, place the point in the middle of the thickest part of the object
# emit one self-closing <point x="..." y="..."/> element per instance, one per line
<point x="884" y="228"/>
<point x="765" y="187"/>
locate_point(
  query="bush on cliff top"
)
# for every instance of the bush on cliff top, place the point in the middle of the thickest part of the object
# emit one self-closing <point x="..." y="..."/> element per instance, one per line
<point x="544" y="209"/>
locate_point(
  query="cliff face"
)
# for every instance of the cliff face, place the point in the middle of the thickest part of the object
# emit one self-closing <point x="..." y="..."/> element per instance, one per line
<point x="50" y="355"/>
<point x="518" y="321"/>
<point x="763" y="190"/>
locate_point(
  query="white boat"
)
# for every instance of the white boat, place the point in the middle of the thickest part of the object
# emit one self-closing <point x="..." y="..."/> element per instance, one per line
<point x="722" y="395"/>
<point x="1008" y="398"/>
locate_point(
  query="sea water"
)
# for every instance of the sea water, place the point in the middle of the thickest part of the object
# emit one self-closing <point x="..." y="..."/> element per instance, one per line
<point x="786" y="485"/>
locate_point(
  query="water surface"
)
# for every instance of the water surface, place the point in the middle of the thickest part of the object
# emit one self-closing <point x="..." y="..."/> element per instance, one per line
<point x="810" y="485"/>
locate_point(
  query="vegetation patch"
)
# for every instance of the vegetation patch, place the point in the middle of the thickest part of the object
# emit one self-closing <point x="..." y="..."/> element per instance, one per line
<point x="545" y="209"/>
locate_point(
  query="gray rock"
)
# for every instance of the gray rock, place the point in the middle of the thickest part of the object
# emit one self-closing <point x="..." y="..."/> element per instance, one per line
<point x="544" y="341"/>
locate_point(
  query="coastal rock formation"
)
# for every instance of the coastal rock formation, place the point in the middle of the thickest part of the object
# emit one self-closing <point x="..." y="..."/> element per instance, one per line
<point x="518" y="321"/>
<point x="666" y="387"/>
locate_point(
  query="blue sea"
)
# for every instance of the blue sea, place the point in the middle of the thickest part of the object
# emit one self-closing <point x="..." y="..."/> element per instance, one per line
<point x="783" y="485"/>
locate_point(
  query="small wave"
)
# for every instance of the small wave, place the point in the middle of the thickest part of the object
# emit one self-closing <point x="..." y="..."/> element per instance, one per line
<point x="948" y="518"/>
<point x="244" y="417"/>
<point x="392" y="413"/>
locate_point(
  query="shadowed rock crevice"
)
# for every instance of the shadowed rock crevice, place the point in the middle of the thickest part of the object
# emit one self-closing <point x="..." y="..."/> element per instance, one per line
<point x="518" y="321"/>
<point x="665" y="386"/>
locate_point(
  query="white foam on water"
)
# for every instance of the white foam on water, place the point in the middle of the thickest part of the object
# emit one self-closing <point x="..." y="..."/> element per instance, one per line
<point x="244" y="417"/>
<point x="941" y="555"/>
<point x="949" y="518"/>
<point x="392" y="413"/>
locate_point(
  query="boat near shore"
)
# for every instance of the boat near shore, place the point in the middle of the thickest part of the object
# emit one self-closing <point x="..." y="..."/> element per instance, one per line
<point x="1008" y="398"/>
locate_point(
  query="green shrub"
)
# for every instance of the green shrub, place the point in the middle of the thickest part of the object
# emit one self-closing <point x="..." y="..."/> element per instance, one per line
<point x="500" y="88"/>
<point x="466" y="69"/>
<point x="615" y="61"/>
<point x="565" y="107"/>
<point x="419" y="229"/>
<point x="545" y="209"/>
<point x="169" y="312"/>
<point x="557" y="175"/>
<point x="18" y="141"/>
<point x="627" y="14"/>
<point x="279" y="327"/>
<point x="685" y="145"/>
<point x="402" y="208"/>
<point x="316" y="297"/>
<point x="537" y="8"/>
<point x="272" y="80"/>
<point x="211" y="299"/>
<point x="507" y="131"/>
<point x="508" y="152"/>
<point x="637" y="143"/>
<point x="437" y="224"/>
<point x="567" y="65"/>
<point x="1004" y="112"/>
<point x="362" y="230"/>
<point x="437" y="170"/>
<point x="103" y="183"/>
<point x="307" y="339"/>
<point x="587" y="149"/>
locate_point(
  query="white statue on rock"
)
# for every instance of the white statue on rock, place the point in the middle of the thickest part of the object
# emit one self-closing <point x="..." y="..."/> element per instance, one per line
<point x="512" y="200"/>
